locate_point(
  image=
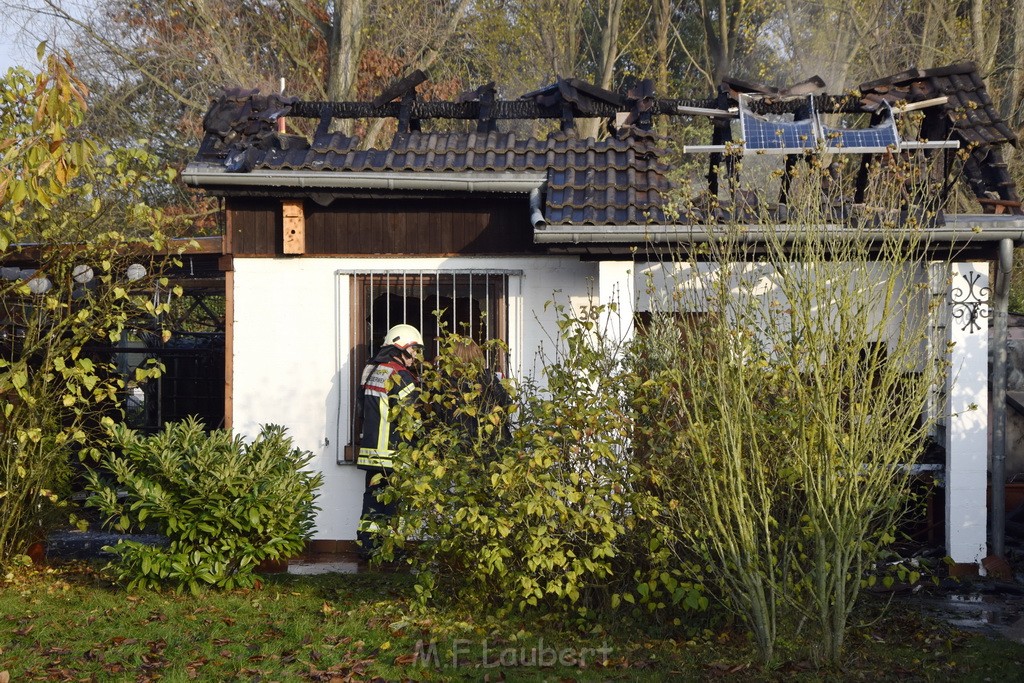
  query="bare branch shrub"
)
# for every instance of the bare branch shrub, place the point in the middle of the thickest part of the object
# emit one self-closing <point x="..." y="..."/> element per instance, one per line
<point x="797" y="368"/>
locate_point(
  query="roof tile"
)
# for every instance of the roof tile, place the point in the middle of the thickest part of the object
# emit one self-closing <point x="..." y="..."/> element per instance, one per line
<point x="614" y="181"/>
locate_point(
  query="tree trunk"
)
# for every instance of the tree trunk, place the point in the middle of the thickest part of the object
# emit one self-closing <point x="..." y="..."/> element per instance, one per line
<point x="662" y="25"/>
<point x="610" y="43"/>
<point x="345" y="46"/>
<point x="720" y="33"/>
<point x="1012" y="100"/>
<point x="926" y="52"/>
<point x="609" y="54"/>
<point x="1012" y="104"/>
<point x="723" y="48"/>
<point x="986" y="34"/>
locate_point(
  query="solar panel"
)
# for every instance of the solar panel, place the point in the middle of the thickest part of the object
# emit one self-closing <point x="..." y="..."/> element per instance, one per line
<point x="776" y="134"/>
<point x="852" y="140"/>
<point x="781" y="134"/>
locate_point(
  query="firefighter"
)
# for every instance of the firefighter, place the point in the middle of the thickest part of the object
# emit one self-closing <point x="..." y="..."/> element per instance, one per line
<point x="387" y="380"/>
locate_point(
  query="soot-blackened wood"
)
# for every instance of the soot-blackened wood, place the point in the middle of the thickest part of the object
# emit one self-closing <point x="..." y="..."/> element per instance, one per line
<point x="399" y="88"/>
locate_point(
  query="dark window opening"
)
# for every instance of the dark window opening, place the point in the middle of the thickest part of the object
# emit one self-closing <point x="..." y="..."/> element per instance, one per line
<point x="470" y="303"/>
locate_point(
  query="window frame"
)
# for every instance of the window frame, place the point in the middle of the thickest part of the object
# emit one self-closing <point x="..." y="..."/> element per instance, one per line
<point x="359" y="336"/>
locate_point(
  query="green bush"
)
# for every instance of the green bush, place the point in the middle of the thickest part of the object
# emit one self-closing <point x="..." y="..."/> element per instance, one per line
<point x="556" y="515"/>
<point x="223" y="504"/>
<point x="66" y="202"/>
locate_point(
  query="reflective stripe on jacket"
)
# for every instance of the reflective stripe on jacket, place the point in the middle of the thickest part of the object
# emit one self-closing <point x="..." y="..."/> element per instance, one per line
<point x="383" y="387"/>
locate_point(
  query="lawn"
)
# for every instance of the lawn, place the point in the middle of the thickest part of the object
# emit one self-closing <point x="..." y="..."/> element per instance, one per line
<point x="71" y="624"/>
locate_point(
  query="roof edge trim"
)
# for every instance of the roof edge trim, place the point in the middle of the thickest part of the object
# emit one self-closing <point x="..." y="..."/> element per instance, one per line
<point x="959" y="229"/>
<point x="202" y="175"/>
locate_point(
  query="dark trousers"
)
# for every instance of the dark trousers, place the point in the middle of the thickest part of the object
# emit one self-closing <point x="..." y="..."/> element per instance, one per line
<point x="375" y="512"/>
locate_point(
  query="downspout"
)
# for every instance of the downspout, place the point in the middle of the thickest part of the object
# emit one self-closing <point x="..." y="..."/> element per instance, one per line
<point x="536" y="216"/>
<point x="998" y="480"/>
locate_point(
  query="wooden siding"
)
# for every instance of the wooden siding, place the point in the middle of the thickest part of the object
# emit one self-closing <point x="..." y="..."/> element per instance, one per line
<point x="436" y="226"/>
<point x="257" y="226"/>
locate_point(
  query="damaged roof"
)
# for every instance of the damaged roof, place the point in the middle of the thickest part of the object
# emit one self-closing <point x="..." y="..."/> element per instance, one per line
<point x="619" y="180"/>
<point x="972" y="118"/>
<point x="614" y="181"/>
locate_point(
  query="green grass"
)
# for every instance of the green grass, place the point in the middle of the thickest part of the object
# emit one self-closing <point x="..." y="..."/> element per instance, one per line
<point x="71" y="624"/>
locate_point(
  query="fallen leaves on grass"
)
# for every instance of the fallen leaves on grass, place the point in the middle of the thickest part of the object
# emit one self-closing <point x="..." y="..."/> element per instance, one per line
<point x="726" y="669"/>
<point x="121" y="640"/>
<point x="343" y="672"/>
<point x="337" y="641"/>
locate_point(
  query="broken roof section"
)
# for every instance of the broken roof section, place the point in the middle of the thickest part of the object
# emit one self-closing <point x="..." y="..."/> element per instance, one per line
<point x="619" y="180"/>
<point x="971" y="118"/>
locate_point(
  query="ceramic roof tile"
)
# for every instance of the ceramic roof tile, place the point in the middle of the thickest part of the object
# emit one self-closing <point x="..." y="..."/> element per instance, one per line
<point x="969" y="108"/>
<point x="614" y="181"/>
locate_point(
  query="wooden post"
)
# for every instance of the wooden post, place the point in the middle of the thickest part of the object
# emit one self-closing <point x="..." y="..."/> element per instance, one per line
<point x="229" y="348"/>
<point x="294" y="226"/>
<point x="227" y="264"/>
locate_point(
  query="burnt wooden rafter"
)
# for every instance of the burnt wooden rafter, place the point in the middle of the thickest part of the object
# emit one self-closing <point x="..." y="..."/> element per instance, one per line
<point x="485" y="95"/>
<point x="405" y="89"/>
<point x="531" y="109"/>
<point x="399" y="88"/>
<point x="642" y="99"/>
<point x="861" y="184"/>
<point x="721" y="134"/>
<point x="801" y="114"/>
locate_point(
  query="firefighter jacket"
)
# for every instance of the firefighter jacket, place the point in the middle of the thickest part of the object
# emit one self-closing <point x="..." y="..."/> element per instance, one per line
<point x="385" y="383"/>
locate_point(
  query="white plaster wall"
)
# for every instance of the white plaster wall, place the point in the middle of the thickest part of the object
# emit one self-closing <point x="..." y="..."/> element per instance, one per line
<point x="967" y="430"/>
<point x="287" y="327"/>
<point x="291" y="334"/>
<point x="687" y="287"/>
<point x="966" y="415"/>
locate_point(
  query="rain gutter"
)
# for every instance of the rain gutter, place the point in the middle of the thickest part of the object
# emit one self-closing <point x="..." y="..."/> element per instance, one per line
<point x="212" y="176"/>
<point x="957" y="228"/>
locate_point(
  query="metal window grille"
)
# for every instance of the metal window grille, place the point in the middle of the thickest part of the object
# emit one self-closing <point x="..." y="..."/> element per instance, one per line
<point x="473" y="303"/>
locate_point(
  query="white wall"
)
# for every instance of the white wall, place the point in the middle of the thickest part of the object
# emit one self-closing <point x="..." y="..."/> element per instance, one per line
<point x="967" y="427"/>
<point x="965" y="341"/>
<point x="688" y="287"/>
<point x="287" y="327"/>
<point x="290" y="348"/>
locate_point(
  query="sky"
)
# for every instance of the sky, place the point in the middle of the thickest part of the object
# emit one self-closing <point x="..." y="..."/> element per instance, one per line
<point x="21" y="29"/>
<point x="12" y="52"/>
<point x="9" y="53"/>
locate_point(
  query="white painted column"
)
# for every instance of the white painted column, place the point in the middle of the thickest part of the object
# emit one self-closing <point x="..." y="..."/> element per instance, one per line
<point x="616" y="286"/>
<point x="967" y="426"/>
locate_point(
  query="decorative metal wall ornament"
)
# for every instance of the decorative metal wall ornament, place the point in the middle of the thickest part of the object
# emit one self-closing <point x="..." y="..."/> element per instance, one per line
<point x="970" y="305"/>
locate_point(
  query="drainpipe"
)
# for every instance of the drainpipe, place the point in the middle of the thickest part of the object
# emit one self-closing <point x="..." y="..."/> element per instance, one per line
<point x="536" y="216"/>
<point x="1002" y="300"/>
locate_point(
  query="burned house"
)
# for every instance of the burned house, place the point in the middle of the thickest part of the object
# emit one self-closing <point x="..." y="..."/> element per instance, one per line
<point x="329" y="240"/>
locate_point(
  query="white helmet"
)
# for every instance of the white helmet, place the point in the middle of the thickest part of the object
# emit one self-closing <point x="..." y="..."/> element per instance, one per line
<point x="403" y="336"/>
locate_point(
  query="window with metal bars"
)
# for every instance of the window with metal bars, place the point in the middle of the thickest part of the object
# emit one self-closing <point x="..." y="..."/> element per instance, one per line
<point x="473" y="303"/>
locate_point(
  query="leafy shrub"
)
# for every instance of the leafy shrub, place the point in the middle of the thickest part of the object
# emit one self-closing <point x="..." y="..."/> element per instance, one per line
<point x="224" y="505"/>
<point x="556" y="515"/>
<point x="86" y="204"/>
